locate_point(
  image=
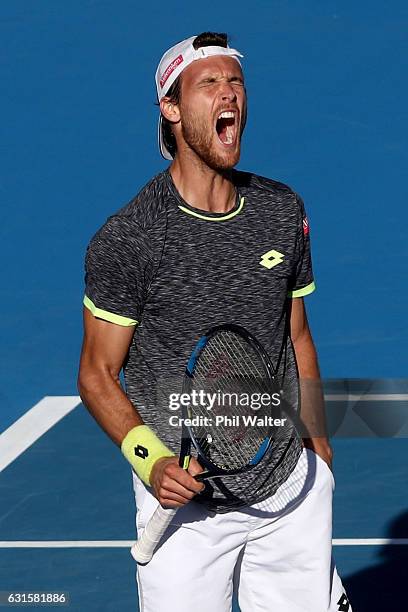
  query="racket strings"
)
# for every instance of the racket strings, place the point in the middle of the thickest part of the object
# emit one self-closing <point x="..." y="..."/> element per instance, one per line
<point x="234" y="375"/>
<point x="228" y="364"/>
<point x="243" y="359"/>
<point x="237" y="370"/>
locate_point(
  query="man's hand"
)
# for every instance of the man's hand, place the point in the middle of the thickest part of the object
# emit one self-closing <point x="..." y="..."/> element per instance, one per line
<point x="172" y="485"/>
<point x="321" y="447"/>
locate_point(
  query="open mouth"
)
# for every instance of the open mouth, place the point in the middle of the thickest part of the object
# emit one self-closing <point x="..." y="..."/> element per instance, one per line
<point x="226" y="127"/>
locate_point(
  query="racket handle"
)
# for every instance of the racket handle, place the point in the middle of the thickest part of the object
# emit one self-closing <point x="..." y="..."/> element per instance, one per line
<point x="143" y="550"/>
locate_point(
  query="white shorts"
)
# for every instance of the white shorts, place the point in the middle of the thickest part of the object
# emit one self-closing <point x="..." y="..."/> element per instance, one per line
<point x="275" y="554"/>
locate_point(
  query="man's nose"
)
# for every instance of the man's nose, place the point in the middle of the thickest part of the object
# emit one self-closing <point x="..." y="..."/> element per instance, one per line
<point x="228" y="92"/>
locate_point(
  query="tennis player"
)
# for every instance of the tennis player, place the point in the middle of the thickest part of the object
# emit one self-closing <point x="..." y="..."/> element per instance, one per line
<point x="200" y="245"/>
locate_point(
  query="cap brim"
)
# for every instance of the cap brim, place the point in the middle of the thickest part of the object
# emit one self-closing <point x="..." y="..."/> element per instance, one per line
<point x="162" y="147"/>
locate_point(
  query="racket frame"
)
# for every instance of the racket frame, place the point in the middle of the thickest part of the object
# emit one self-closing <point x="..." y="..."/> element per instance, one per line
<point x="188" y="438"/>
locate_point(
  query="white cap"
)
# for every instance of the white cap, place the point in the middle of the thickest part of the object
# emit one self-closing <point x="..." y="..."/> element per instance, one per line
<point x="172" y="64"/>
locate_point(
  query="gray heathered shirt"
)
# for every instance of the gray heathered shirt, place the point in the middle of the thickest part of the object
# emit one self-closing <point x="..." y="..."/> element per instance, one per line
<point x="175" y="271"/>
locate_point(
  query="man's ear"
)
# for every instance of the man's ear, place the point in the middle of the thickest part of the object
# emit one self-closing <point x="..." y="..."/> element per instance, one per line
<point x="169" y="110"/>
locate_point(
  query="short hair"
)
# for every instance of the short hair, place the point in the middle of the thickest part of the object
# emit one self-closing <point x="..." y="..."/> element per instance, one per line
<point x="205" y="39"/>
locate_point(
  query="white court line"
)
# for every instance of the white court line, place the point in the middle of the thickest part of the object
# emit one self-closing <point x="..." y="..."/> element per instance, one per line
<point x="33" y="424"/>
<point x="370" y="542"/>
<point x="373" y="397"/>
<point x="129" y="543"/>
<point x="67" y="544"/>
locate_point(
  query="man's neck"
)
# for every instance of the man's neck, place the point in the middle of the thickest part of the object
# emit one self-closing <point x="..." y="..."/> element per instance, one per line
<point x="201" y="186"/>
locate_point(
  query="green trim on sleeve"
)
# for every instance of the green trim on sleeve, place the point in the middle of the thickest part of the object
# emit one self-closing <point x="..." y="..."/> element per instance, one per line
<point x="302" y="292"/>
<point x="108" y="316"/>
<point x="207" y="218"/>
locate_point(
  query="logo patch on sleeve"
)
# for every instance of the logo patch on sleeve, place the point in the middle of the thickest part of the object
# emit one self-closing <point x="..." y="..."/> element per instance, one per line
<point x="305" y="226"/>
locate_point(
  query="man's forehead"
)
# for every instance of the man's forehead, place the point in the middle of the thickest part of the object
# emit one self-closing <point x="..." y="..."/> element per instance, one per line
<point x="216" y="64"/>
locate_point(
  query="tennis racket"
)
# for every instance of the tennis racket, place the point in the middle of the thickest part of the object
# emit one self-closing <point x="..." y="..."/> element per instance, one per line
<point x="229" y="365"/>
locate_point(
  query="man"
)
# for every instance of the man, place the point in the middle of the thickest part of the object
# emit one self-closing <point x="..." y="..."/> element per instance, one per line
<point x="201" y="245"/>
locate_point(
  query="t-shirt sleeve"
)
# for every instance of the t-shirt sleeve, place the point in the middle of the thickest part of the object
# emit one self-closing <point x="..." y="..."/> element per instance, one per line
<point x="302" y="281"/>
<point x="117" y="269"/>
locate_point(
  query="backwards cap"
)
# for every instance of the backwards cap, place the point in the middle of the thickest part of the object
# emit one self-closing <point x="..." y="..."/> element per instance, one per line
<point x="172" y="64"/>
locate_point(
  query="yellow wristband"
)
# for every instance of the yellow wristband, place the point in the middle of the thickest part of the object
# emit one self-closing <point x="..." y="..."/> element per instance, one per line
<point x="142" y="448"/>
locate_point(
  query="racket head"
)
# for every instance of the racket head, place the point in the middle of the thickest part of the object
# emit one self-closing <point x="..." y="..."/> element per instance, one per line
<point x="230" y="436"/>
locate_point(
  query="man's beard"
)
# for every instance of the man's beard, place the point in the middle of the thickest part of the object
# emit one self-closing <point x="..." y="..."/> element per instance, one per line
<point x="199" y="134"/>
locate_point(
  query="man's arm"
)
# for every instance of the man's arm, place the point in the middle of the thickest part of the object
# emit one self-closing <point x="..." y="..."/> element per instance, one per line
<point x="104" y="350"/>
<point x="312" y="399"/>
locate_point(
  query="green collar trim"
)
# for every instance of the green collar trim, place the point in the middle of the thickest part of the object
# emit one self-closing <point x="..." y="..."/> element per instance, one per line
<point x="208" y="218"/>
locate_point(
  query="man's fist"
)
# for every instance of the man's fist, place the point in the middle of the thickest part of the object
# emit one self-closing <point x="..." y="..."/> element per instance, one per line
<point x="172" y="485"/>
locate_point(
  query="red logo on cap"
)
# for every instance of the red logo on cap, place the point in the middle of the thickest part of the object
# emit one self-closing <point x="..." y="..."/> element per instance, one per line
<point x="305" y="226"/>
<point x="171" y="68"/>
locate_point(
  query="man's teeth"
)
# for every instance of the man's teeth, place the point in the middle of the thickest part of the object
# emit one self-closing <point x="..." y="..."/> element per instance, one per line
<point x="229" y="132"/>
<point x="226" y="115"/>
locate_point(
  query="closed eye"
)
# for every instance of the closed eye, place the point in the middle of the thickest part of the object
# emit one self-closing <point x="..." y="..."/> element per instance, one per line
<point x="208" y="81"/>
<point x="211" y="80"/>
<point x="236" y="80"/>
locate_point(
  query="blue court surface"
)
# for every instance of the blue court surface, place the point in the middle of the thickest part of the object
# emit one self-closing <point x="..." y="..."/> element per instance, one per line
<point x="327" y="114"/>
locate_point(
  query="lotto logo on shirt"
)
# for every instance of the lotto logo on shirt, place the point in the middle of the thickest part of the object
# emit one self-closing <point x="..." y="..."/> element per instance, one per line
<point x="305" y="226"/>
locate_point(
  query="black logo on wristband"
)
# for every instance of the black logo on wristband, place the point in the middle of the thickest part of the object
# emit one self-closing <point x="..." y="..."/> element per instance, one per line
<point x="141" y="451"/>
